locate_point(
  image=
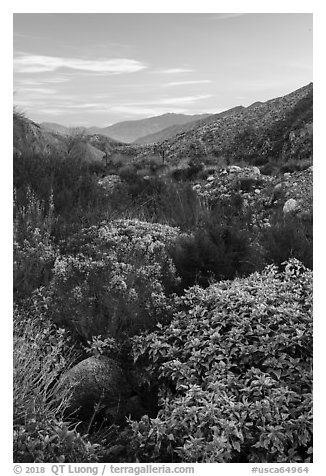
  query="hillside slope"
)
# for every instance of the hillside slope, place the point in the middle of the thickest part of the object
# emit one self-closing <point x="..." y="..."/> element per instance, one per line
<point x="29" y="137"/>
<point x="129" y="131"/>
<point x="279" y="129"/>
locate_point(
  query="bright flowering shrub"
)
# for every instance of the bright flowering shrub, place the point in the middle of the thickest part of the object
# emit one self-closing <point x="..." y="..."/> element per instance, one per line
<point x="33" y="261"/>
<point x="114" y="279"/>
<point x="33" y="250"/>
<point x="234" y="369"/>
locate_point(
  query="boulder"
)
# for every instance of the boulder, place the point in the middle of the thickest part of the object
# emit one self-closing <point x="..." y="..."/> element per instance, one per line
<point x="278" y="188"/>
<point x="234" y="168"/>
<point x="97" y="381"/>
<point x="255" y="171"/>
<point x="290" y="206"/>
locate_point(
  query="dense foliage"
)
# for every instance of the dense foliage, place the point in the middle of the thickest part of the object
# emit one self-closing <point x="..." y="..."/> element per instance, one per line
<point x="234" y="368"/>
<point x="115" y="279"/>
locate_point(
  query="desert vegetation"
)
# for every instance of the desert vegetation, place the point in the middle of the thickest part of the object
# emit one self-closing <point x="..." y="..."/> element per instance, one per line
<point x="190" y="281"/>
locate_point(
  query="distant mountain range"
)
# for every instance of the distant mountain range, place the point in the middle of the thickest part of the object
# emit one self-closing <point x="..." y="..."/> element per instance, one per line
<point x="279" y="130"/>
<point x="129" y="131"/>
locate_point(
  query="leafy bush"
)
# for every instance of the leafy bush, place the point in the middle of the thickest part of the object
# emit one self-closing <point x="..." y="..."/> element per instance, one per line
<point x="234" y="369"/>
<point x="41" y="354"/>
<point x="115" y="279"/>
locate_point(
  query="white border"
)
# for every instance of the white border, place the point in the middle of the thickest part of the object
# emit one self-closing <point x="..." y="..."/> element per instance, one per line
<point x="168" y="6"/>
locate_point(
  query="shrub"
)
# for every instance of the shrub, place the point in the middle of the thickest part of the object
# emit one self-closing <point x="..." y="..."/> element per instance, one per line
<point x="158" y="201"/>
<point x="234" y="369"/>
<point x="34" y="251"/>
<point x="128" y="173"/>
<point x="267" y="169"/>
<point x="191" y="172"/>
<point x="289" y="237"/>
<point x="247" y="184"/>
<point x="294" y="166"/>
<point x="115" y="280"/>
<point x="217" y="250"/>
<point x="41" y="354"/>
<point x="69" y="183"/>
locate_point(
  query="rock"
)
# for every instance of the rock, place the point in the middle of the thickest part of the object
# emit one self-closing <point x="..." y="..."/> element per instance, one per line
<point x="310" y="168"/>
<point x="278" y="188"/>
<point x="97" y="381"/>
<point x="234" y="168"/>
<point x="257" y="191"/>
<point x="287" y="174"/>
<point x="109" y="182"/>
<point x="210" y="178"/>
<point x="290" y="206"/>
<point x="255" y="171"/>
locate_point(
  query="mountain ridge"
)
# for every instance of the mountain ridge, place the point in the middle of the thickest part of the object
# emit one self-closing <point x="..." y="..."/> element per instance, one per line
<point x="128" y="131"/>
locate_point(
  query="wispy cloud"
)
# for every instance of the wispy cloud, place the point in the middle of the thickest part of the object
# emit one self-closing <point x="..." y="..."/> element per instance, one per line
<point x="146" y="111"/>
<point x="227" y="16"/>
<point x="184" y="83"/>
<point x="95" y="106"/>
<point x="25" y="63"/>
<point x="182" y="100"/>
<point x="39" y="90"/>
<point x="169" y="100"/>
<point x="174" y="71"/>
<point x="158" y="106"/>
<point x="30" y="82"/>
<point x="52" y="111"/>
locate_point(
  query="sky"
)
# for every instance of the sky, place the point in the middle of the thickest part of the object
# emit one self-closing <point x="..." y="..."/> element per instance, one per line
<point x="83" y="69"/>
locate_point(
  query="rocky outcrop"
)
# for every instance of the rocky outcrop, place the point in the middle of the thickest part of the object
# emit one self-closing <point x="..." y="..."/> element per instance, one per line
<point x="109" y="183"/>
<point x="263" y="195"/>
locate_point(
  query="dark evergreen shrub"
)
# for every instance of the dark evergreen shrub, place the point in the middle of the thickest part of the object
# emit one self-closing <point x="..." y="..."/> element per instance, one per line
<point x="289" y="237"/>
<point x="216" y="251"/>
